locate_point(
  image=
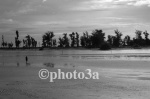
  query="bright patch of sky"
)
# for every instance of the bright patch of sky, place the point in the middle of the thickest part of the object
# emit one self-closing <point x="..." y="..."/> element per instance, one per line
<point x="35" y="17"/>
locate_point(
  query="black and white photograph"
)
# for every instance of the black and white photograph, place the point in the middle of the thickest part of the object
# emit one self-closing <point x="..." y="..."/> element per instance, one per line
<point x="74" y="49"/>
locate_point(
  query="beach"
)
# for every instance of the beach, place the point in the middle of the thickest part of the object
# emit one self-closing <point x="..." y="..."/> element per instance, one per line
<point x="122" y="74"/>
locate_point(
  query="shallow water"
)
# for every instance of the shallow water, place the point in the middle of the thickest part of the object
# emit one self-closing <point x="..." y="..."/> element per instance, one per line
<point x="69" y="58"/>
<point x="81" y="59"/>
<point x="35" y="56"/>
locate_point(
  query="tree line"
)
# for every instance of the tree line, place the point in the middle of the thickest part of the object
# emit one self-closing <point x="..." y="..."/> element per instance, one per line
<point x="95" y="39"/>
<point x="28" y="42"/>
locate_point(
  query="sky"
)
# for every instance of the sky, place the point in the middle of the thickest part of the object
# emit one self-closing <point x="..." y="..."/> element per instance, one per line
<point x="35" y="17"/>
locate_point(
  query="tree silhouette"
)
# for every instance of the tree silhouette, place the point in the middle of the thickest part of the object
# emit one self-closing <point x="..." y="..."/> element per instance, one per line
<point x="110" y="40"/>
<point x="83" y="40"/>
<point x="2" y="41"/>
<point x="127" y="41"/>
<point x="77" y="39"/>
<point x="60" y="42"/>
<point x="10" y="45"/>
<point x="48" y="39"/>
<point x="28" y="37"/>
<point x="86" y="40"/>
<point x="72" y="37"/>
<point x="146" y="34"/>
<point x="29" y="42"/>
<point x="64" y="41"/>
<point x="54" y="43"/>
<point x="97" y="38"/>
<point x="117" y="39"/>
<point x="17" y="41"/>
<point x="138" y="40"/>
<point x="5" y="44"/>
<point x="17" y="34"/>
<point x="138" y="34"/>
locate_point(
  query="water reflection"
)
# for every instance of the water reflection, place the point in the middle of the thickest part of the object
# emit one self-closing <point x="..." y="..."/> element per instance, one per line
<point x="38" y="57"/>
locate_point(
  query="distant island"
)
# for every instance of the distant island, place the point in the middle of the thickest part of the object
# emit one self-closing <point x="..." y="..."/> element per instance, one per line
<point x="94" y="40"/>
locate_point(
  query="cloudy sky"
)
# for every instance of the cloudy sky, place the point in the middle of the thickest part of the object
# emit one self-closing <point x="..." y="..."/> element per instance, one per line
<point x="35" y="17"/>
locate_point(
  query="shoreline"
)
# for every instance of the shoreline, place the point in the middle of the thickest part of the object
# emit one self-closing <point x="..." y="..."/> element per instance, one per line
<point x="75" y="48"/>
<point x="70" y="48"/>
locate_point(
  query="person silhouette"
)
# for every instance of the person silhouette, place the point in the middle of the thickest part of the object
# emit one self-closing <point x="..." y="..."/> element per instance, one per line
<point x="26" y="59"/>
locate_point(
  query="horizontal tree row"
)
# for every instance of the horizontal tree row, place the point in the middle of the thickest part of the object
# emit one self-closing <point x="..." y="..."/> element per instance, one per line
<point x="95" y="39"/>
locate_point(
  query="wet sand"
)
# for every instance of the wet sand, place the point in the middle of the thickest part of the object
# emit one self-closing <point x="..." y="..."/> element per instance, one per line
<point x="114" y="83"/>
<point x="118" y="79"/>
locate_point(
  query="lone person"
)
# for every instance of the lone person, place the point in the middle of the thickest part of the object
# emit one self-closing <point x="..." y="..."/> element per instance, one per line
<point x="26" y="59"/>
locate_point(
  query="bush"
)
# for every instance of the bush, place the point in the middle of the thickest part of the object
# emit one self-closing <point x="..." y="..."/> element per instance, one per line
<point x="136" y="46"/>
<point x="105" y="46"/>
